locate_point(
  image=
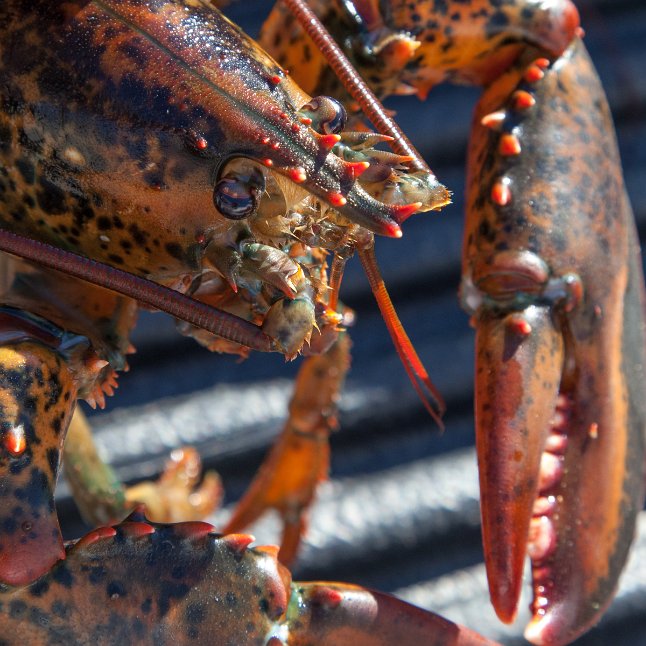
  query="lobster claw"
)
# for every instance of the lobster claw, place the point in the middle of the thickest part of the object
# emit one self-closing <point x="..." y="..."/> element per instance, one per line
<point x="554" y="282"/>
<point x="32" y="391"/>
<point x="514" y="404"/>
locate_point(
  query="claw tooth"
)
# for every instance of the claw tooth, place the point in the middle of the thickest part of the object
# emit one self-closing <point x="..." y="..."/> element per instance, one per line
<point x="542" y="538"/>
<point x="551" y="471"/>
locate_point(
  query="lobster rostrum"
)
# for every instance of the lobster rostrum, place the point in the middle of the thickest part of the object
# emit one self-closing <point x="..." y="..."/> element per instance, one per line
<point x="551" y="278"/>
<point x="156" y="137"/>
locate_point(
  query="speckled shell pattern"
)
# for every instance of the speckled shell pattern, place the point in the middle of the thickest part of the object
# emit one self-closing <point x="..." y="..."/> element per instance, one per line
<point x="117" y="115"/>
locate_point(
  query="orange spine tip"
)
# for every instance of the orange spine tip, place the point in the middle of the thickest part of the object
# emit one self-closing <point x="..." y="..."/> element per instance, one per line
<point x="509" y="145"/>
<point x="135" y="529"/>
<point x="15" y="441"/>
<point x="193" y="529"/>
<point x="533" y="74"/>
<point x="275" y="145"/>
<point x="543" y="63"/>
<point x="519" y="326"/>
<point x="95" y="364"/>
<point x="238" y="543"/>
<point x="270" y="550"/>
<point x="523" y="100"/>
<point x="358" y="168"/>
<point x="329" y="141"/>
<point x="326" y="597"/>
<point x="275" y="79"/>
<point x="306" y="121"/>
<point x="265" y="140"/>
<point x="297" y="175"/>
<point x="96" y="535"/>
<point x="336" y="199"/>
<point x="392" y="230"/>
<point x="403" y="211"/>
<point x="268" y="162"/>
<point x="493" y="120"/>
<point x="501" y="193"/>
<point x="201" y="143"/>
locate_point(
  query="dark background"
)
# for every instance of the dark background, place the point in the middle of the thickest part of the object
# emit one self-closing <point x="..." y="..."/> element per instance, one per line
<point x="400" y="512"/>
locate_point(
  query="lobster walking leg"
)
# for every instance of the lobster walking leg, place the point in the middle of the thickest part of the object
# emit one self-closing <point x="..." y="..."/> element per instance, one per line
<point x="179" y="494"/>
<point x="300" y="458"/>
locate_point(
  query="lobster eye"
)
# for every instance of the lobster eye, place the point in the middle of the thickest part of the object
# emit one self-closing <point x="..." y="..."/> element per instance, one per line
<point x="327" y="114"/>
<point x="237" y="195"/>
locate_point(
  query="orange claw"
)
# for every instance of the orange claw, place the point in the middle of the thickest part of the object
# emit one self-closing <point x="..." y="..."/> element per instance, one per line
<point x="560" y="353"/>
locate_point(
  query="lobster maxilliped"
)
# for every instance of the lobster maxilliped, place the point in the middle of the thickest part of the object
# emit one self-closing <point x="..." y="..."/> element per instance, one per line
<point x="552" y="280"/>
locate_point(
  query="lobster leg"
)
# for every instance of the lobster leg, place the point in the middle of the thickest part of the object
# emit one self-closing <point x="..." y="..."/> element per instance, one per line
<point x="552" y="276"/>
<point x="195" y="586"/>
<point x="300" y="459"/>
<point x="177" y="495"/>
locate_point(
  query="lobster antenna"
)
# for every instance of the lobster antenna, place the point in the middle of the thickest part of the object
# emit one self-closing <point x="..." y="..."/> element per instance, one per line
<point x="422" y="383"/>
<point x="222" y="324"/>
<point x="354" y="84"/>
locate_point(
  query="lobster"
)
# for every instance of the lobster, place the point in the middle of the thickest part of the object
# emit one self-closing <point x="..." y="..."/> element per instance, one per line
<point x="530" y="285"/>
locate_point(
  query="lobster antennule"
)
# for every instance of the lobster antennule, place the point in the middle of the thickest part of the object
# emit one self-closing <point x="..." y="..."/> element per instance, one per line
<point x="424" y="387"/>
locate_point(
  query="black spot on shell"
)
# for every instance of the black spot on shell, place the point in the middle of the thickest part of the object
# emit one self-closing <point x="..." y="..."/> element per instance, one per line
<point x="116" y="588"/>
<point x="63" y="576"/>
